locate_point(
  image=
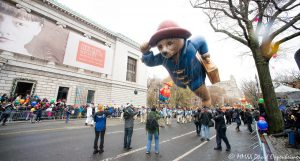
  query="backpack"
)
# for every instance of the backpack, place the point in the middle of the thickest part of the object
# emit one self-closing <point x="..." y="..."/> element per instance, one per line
<point x="151" y="124"/>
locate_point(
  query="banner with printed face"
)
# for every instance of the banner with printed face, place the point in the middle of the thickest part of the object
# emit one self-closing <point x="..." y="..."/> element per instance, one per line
<point x="31" y="35"/>
<point x="87" y="54"/>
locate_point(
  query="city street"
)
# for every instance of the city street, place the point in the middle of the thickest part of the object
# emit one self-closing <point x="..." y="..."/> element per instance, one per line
<point x="54" y="140"/>
<point x="67" y="64"/>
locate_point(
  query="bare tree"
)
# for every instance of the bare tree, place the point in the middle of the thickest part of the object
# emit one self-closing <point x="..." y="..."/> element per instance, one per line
<point x="179" y="96"/>
<point x="262" y="26"/>
<point x="153" y="85"/>
<point x="290" y="78"/>
<point x="250" y="91"/>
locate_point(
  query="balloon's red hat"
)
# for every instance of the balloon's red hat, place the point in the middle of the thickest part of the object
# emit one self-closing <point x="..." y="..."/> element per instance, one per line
<point x="168" y="29"/>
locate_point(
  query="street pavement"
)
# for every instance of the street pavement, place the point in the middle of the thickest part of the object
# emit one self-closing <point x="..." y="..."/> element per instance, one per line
<point x="57" y="141"/>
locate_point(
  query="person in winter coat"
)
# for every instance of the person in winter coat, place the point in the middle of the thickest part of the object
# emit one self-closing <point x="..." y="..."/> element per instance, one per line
<point x="68" y="113"/>
<point x="89" y="116"/>
<point x="220" y="127"/>
<point x="248" y="119"/>
<point x="4" y="98"/>
<point x="39" y="112"/>
<point x="197" y="116"/>
<point x="7" y="109"/>
<point x="227" y="116"/>
<point x="242" y="114"/>
<point x="262" y="110"/>
<point x="205" y="118"/>
<point x="100" y="127"/>
<point x="129" y="114"/>
<point x="236" y="116"/>
<point x="152" y="128"/>
<point x="169" y="116"/>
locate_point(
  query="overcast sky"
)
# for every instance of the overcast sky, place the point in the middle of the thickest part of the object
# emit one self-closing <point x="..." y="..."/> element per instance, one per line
<point x="139" y="19"/>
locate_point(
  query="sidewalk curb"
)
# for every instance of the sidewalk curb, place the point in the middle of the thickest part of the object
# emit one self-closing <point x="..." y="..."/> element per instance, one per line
<point x="271" y="147"/>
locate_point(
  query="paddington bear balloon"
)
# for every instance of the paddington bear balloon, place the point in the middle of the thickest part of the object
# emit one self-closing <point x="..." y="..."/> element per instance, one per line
<point x="186" y="60"/>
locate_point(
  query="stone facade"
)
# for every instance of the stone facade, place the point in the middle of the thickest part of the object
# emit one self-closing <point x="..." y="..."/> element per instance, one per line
<point x="230" y="88"/>
<point x="48" y="76"/>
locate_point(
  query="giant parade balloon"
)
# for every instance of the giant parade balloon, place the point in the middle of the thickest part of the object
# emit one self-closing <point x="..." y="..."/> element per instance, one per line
<point x="164" y="92"/>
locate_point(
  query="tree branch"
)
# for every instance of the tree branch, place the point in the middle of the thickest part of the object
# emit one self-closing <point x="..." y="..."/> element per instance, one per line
<point x="276" y="14"/>
<point x="226" y="32"/>
<point x="217" y="9"/>
<point x="284" y="8"/>
<point x="284" y="27"/>
<point x="239" y="21"/>
<point x="287" y="38"/>
<point x="295" y="27"/>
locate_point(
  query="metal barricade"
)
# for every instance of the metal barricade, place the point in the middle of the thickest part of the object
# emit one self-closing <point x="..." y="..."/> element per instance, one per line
<point x="23" y="115"/>
<point x="260" y="144"/>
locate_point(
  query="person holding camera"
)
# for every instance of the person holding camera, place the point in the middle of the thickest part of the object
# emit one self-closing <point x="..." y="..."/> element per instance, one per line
<point x="129" y="114"/>
<point x="220" y="127"/>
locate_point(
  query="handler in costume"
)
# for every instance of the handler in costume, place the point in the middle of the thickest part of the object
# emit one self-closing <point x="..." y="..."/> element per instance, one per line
<point x="179" y="55"/>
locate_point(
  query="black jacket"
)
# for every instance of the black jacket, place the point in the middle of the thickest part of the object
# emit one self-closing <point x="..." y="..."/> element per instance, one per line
<point x="248" y="117"/>
<point x="197" y="117"/>
<point x="219" y="120"/>
<point x="205" y="118"/>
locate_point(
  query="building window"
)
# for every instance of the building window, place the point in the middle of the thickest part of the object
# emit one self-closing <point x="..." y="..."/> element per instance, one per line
<point x="24" y="87"/>
<point x="62" y="93"/>
<point x="131" y="70"/>
<point x="90" y="96"/>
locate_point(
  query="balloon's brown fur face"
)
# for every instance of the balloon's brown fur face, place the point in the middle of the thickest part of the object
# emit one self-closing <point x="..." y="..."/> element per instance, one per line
<point x="170" y="47"/>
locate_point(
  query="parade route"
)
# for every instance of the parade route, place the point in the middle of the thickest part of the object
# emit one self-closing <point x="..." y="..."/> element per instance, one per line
<point x="49" y="141"/>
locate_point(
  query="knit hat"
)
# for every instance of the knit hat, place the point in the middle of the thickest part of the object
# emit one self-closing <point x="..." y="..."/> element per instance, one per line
<point x="168" y="29"/>
<point x="100" y="107"/>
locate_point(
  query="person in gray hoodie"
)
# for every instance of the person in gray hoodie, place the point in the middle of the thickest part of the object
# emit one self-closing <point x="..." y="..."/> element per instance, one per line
<point x="129" y="114"/>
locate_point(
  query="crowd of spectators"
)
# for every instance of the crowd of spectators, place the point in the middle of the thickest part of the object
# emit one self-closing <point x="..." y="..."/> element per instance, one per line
<point x="35" y="109"/>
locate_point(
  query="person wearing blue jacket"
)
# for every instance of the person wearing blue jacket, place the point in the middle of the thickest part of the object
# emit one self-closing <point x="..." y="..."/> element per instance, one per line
<point x="100" y="127"/>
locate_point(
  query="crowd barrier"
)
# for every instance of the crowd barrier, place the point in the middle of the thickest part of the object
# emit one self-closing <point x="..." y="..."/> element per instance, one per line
<point x="262" y="146"/>
<point x="25" y="115"/>
<point x="22" y="115"/>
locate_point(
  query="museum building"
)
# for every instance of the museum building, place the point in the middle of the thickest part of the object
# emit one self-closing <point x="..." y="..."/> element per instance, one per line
<point x="51" y="51"/>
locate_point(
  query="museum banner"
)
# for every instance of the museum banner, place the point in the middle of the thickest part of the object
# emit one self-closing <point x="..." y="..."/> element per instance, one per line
<point x="28" y="34"/>
<point x="88" y="54"/>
